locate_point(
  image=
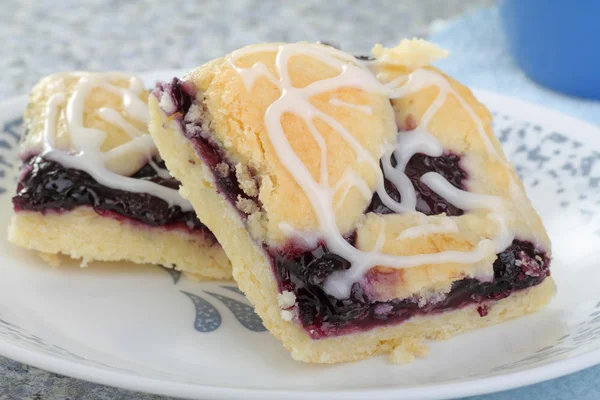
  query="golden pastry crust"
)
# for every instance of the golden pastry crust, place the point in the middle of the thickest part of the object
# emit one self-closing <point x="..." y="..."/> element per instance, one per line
<point x="83" y="234"/>
<point x="407" y="350"/>
<point x="236" y="115"/>
<point x="228" y="107"/>
<point x="413" y="53"/>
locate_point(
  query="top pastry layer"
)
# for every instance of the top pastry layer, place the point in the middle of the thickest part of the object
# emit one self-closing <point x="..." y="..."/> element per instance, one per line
<point x="236" y="105"/>
<point x="309" y="130"/>
<point x="98" y="99"/>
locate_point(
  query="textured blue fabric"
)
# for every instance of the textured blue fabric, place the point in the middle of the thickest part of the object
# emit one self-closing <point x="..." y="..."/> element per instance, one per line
<point x="481" y="60"/>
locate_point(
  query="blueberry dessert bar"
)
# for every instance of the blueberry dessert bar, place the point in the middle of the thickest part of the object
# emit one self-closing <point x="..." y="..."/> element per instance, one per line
<point x="91" y="184"/>
<point x="365" y="203"/>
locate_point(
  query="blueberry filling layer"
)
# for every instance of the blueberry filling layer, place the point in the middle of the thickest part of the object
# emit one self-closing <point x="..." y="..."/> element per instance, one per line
<point x="47" y="185"/>
<point x="428" y="202"/>
<point x="181" y="96"/>
<point x="304" y="273"/>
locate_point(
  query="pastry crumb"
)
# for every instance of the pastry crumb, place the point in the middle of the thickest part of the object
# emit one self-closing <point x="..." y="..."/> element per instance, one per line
<point x="407" y="350"/>
<point x="286" y="299"/>
<point x="287" y="315"/>
<point x="256" y="226"/>
<point x="247" y="206"/>
<point x="247" y="183"/>
<point x="413" y="53"/>
<point x="167" y="104"/>
<point x="222" y="169"/>
<point x="51" y="259"/>
<point x="286" y="302"/>
<point x="194" y="114"/>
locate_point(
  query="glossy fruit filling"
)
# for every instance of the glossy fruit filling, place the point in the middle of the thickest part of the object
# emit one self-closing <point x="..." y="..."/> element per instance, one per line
<point x="45" y="185"/>
<point x="304" y="273"/>
<point x="428" y="202"/>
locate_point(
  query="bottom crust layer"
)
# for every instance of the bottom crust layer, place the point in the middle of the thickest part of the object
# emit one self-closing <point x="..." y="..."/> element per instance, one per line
<point x="85" y="235"/>
<point x="437" y="326"/>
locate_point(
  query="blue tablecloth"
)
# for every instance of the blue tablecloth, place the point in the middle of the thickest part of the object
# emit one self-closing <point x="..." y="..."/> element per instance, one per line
<point x="480" y="59"/>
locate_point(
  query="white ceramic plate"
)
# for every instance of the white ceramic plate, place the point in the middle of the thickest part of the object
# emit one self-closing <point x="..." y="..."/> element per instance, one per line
<point x="136" y="326"/>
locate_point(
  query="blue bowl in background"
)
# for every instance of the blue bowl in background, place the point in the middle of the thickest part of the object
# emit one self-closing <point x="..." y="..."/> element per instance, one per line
<point x="556" y="42"/>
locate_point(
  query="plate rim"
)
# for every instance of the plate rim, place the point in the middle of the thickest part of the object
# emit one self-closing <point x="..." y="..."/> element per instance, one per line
<point x="468" y="387"/>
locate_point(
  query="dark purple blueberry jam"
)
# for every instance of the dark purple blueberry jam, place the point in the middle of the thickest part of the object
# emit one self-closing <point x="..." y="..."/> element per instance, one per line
<point x="182" y="95"/>
<point x="304" y="272"/>
<point x="428" y="202"/>
<point x="47" y="185"/>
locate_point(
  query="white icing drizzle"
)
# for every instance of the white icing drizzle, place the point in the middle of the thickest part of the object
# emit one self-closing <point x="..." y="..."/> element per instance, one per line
<point x="115" y="118"/>
<point x="141" y="147"/>
<point x="349" y="180"/>
<point x="162" y="172"/>
<point x="310" y="239"/>
<point x="86" y="142"/>
<point x="444" y="225"/>
<point x="362" y="108"/>
<point x="50" y="117"/>
<point x="474" y="201"/>
<point x="320" y="193"/>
